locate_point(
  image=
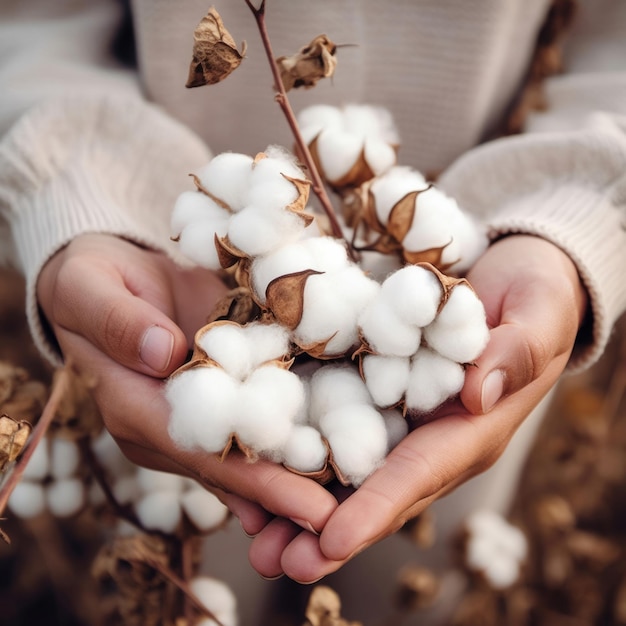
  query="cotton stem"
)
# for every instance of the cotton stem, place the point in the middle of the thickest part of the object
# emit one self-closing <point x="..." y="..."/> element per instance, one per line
<point x="283" y="102"/>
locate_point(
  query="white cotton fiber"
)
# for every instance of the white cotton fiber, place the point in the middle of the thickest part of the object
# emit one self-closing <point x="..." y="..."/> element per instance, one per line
<point x="126" y="489"/>
<point x="203" y="508"/>
<point x="414" y="294"/>
<point x="460" y="330"/>
<point x="277" y="164"/>
<point x="110" y="456"/>
<point x="27" y="500"/>
<point x="338" y="151"/>
<point x="227" y="176"/>
<point x="371" y="121"/>
<point x="153" y="480"/>
<point x="329" y="254"/>
<point x="267" y="341"/>
<point x="385" y="332"/>
<point x="392" y="186"/>
<point x="257" y="230"/>
<point x="432" y="380"/>
<point x="396" y="426"/>
<point x="380" y="156"/>
<point x="203" y="402"/>
<point x="197" y="242"/>
<point x="218" y="598"/>
<point x="39" y="463"/>
<point x="267" y="405"/>
<point x="228" y="346"/>
<point x="64" y="457"/>
<point x="65" y="497"/>
<point x="314" y="118"/>
<point x="386" y="377"/>
<point x="159" y="510"/>
<point x="305" y="451"/>
<point x="272" y="195"/>
<point x="358" y="440"/>
<point x="334" y="386"/>
<point x="192" y="207"/>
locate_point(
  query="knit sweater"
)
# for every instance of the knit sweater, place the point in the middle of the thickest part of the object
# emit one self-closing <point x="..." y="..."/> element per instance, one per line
<point x="90" y="144"/>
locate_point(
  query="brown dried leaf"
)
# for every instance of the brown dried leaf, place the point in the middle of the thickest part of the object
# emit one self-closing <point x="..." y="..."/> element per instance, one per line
<point x="215" y="54"/>
<point x="13" y="438"/>
<point x="324" y="609"/>
<point x="285" y="297"/>
<point x="310" y="64"/>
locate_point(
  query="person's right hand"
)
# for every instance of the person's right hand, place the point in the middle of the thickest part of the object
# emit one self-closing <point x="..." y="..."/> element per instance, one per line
<point x="126" y="316"/>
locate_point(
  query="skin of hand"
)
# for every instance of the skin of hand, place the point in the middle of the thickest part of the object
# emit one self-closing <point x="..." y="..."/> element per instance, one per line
<point x="126" y="316"/>
<point x="535" y="304"/>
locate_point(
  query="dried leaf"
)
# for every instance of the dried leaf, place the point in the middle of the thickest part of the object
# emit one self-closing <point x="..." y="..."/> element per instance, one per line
<point x="310" y="64"/>
<point x="285" y="297"/>
<point x="13" y="438"/>
<point x="215" y="54"/>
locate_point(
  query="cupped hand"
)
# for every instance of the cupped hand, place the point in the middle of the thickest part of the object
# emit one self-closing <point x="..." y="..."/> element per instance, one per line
<point x="535" y="304"/>
<point x="126" y="316"/>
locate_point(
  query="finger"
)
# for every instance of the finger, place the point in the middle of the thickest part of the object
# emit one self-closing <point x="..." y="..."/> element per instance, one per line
<point x="267" y="547"/>
<point x="302" y="559"/>
<point x="97" y="305"/>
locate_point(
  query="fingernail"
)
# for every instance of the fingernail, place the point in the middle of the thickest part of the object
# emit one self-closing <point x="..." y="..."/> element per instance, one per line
<point x="492" y="389"/>
<point x="304" y="524"/>
<point x="156" y="348"/>
<point x="272" y="577"/>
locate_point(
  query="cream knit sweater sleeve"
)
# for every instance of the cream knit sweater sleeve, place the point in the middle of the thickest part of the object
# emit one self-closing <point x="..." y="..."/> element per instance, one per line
<point x="83" y="151"/>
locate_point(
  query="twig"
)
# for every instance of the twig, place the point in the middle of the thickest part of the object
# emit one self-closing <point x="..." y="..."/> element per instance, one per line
<point x="59" y="388"/>
<point x="283" y="101"/>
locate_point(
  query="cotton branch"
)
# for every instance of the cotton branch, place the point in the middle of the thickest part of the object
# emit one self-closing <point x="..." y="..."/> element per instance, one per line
<point x="283" y="101"/>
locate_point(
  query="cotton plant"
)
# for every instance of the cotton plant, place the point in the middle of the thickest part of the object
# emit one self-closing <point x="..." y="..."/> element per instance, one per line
<point x="382" y="309"/>
<point x="51" y="482"/>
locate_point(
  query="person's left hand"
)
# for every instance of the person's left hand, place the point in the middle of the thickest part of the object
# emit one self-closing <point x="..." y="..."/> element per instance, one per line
<point x="535" y="305"/>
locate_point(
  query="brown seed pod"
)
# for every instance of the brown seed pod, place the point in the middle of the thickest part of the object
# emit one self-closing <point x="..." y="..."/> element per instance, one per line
<point x="309" y="65"/>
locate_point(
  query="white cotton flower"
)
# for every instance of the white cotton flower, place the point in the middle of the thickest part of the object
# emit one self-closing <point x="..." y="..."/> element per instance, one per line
<point x="386" y="377"/>
<point x="495" y="548"/>
<point x="388" y="189"/>
<point x="338" y="150"/>
<point x="203" y="402"/>
<point x="197" y="242"/>
<point x="358" y="439"/>
<point x="414" y="294"/>
<point x="267" y="406"/>
<point x="396" y="426"/>
<point x="335" y="386"/>
<point x="154" y="480"/>
<point x="159" y="510"/>
<point x="385" y="332"/>
<point x="305" y="450"/>
<point x="39" y="463"/>
<point x="65" y="497"/>
<point x="218" y="598"/>
<point x="460" y="330"/>
<point x="277" y="164"/>
<point x="432" y="380"/>
<point x="314" y="118"/>
<point x="203" y="508"/>
<point x="192" y="207"/>
<point x="64" y="457"/>
<point x="27" y="500"/>
<point x="227" y="176"/>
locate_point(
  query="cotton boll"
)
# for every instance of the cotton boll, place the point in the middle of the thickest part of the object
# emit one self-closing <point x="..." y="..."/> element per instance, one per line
<point x="64" y="457"/>
<point x="203" y="402"/>
<point x="460" y="330"/>
<point x="159" y="510"/>
<point x="266" y="341"/>
<point x="258" y="230"/>
<point x="203" y="508"/>
<point x="228" y="345"/>
<point x="39" y="463"/>
<point x="338" y="151"/>
<point x="65" y="497"/>
<point x="392" y="186"/>
<point x="305" y="451"/>
<point x="126" y="489"/>
<point x="267" y="406"/>
<point x="217" y="597"/>
<point x="371" y="121"/>
<point x="386" y="377"/>
<point x="272" y="195"/>
<point x="227" y="177"/>
<point x="335" y="386"/>
<point x="152" y="480"/>
<point x="277" y="164"/>
<point x="314" y="118"/>
<point x="197" y="242"/>
<point x="27" y="500"/>
<point x="194" y="206"/>
<point x="414" y="294"/>
<point x="396" y="426"/>
<point x="358" y="440"/>
<point x="470" y="241"/>
<point x="329" y="254"/>
<point x="385" y="332"/>
<point x="432" y="380"/>
<point x="380" y="156"/>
